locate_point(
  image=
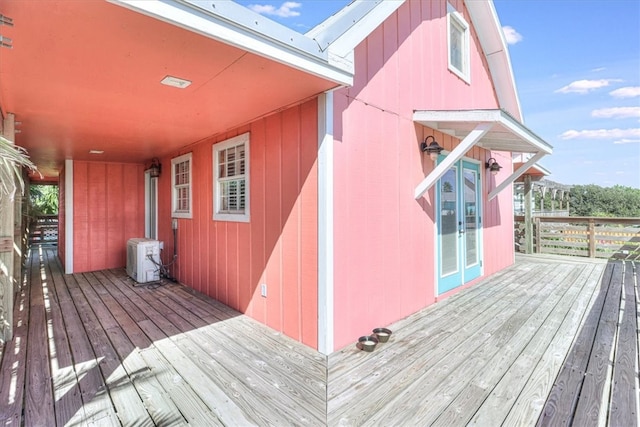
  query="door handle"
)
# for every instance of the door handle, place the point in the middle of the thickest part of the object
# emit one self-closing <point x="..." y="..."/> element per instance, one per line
<point x="460" y="228"/>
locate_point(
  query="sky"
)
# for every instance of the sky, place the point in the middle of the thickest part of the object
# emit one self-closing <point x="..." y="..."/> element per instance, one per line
<point x="576" y="65"/>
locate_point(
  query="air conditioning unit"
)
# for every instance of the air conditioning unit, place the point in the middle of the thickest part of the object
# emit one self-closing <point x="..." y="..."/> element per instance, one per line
<point x="143" y="260"/>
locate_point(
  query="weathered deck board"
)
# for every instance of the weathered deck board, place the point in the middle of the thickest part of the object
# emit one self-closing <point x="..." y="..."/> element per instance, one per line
<point x="594" y="396"/>
<point x="624" y="394"/>
<point x="117" y="354"/>
<point x="523" y="407"/>
<point x="68" y="401"/>
<point x="410" y="361"/>
<point x="14" y="358"/>
<point x="450" y="375"/>
<point x="38" y="405"/>
<point x="509" y="367"/>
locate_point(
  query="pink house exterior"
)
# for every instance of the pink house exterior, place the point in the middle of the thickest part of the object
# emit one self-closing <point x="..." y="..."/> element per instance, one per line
<point x="316" y="213"/>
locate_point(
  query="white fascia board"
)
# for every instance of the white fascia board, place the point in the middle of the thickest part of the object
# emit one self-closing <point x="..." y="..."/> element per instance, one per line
<point x="521" y="170"/>
<point x="267" y="38"/>
<point x="455" y="155"/>
<point x="485" y="20"/>
<point x="341" y="33"/>
<point x="68" y="216"/>
<point x="325" y="225"/>
<point x="360" y="30"/>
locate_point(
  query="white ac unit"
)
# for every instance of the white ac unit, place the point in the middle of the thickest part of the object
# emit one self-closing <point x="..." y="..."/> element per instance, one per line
<point x="143" y="260"/>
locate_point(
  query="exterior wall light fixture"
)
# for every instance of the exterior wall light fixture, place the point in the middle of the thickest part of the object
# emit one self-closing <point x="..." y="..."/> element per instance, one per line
<point x="155" y="168"/>
<point x="433" y="148"/>
<point x="493" y="166"/>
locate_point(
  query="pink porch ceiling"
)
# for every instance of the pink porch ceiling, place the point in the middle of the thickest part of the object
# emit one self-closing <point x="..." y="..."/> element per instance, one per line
<point x="86" y="75"/>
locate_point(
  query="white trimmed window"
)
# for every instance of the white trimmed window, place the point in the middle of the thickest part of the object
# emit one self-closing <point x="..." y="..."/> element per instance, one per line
<point x="231" y="179"/>
<point x="458" y="43"/>
<point x="181" y="186"/>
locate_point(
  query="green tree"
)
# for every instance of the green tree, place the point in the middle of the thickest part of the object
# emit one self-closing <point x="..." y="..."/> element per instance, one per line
<point x="593" y="200"/>
<point x="44" y="198"/>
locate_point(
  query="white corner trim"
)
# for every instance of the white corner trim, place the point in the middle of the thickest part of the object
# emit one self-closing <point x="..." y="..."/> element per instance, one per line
<point x="325" y="224"/>
<point x="68" y="216"/>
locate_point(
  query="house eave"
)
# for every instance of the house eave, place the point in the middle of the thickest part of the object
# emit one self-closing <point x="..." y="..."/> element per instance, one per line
<point x="233" y="24"/>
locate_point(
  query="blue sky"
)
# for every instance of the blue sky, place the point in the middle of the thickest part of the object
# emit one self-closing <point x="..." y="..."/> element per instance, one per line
<point x="577" y="69"/>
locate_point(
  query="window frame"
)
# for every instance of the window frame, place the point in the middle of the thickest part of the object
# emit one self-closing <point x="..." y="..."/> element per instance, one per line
<point x="242" y="139"/>
<point x="174" y="187"/>
<point x="455" y="19"/>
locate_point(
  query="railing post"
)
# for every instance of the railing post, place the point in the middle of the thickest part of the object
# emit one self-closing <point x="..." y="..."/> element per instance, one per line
<point x="528" y="223"/>
<point x="538" y="232"/>
<point x="592" y="237"/>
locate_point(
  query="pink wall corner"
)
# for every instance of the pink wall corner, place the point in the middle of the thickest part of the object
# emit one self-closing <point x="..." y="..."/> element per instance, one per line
<point x="278" y="246"/>
<point x="384" y="245"/>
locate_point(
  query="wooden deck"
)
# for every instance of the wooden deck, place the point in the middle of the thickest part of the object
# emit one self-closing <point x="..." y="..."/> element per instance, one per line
<point x="552" y="341"/>
<point x="549" y="341"/>
<point x="92" y="349"/>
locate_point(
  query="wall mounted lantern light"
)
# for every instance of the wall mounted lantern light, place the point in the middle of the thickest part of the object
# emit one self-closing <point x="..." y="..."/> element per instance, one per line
<point x="155" y="168"/>
<point x="433" y="148"/>
<point x="493" y="166"/>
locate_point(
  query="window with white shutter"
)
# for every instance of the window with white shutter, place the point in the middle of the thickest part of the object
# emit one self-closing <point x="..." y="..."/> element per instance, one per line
<point x="231" y="179"/>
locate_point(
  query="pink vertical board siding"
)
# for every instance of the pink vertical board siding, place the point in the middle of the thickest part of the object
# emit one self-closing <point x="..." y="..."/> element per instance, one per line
<point x="108" y="209"/>
<point x="278" y="246"/>
<point x="498" y="226"/>
<point x="384" y="239"/>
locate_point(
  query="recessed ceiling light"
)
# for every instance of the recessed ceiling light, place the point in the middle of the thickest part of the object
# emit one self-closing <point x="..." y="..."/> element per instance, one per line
<point x="175" y="82"/>
<point x="96" y="151"/>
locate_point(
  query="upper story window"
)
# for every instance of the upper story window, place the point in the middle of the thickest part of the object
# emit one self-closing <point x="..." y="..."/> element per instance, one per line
<point x="181" y="186"/>
<point x="231" y="179"/>
<point x="458" y="43"/>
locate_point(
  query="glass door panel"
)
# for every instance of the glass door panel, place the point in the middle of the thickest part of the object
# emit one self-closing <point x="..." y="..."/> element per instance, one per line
<point x="449" y="223"/>
<point x="459" y="225"/>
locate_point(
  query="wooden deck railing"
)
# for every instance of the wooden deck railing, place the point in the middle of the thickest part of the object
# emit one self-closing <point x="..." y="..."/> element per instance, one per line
<point x="585" y="236"/>
<point x="44" y="229"/>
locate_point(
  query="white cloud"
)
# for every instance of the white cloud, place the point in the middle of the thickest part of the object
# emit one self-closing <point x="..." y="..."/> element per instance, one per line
<point x="284" y="11"/>
<point x="511" y="35"/>
<point x="627" y="141"/>
<point x="626" y="92"/>
<point x="585" y="86"/>
<point x="617" y="112"/>
<point x="619" y="134"/>
<point x="597" y="70"/>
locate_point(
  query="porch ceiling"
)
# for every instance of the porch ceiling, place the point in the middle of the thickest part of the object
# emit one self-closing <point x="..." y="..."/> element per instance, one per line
<point x="86" y="75"/>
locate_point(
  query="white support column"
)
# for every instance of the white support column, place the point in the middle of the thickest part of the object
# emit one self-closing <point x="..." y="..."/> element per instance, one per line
<point x="68" y="216"/>
<point x="522" y="169"/>
<point x="465" y="145"/>
<point x="325" y="224"/>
